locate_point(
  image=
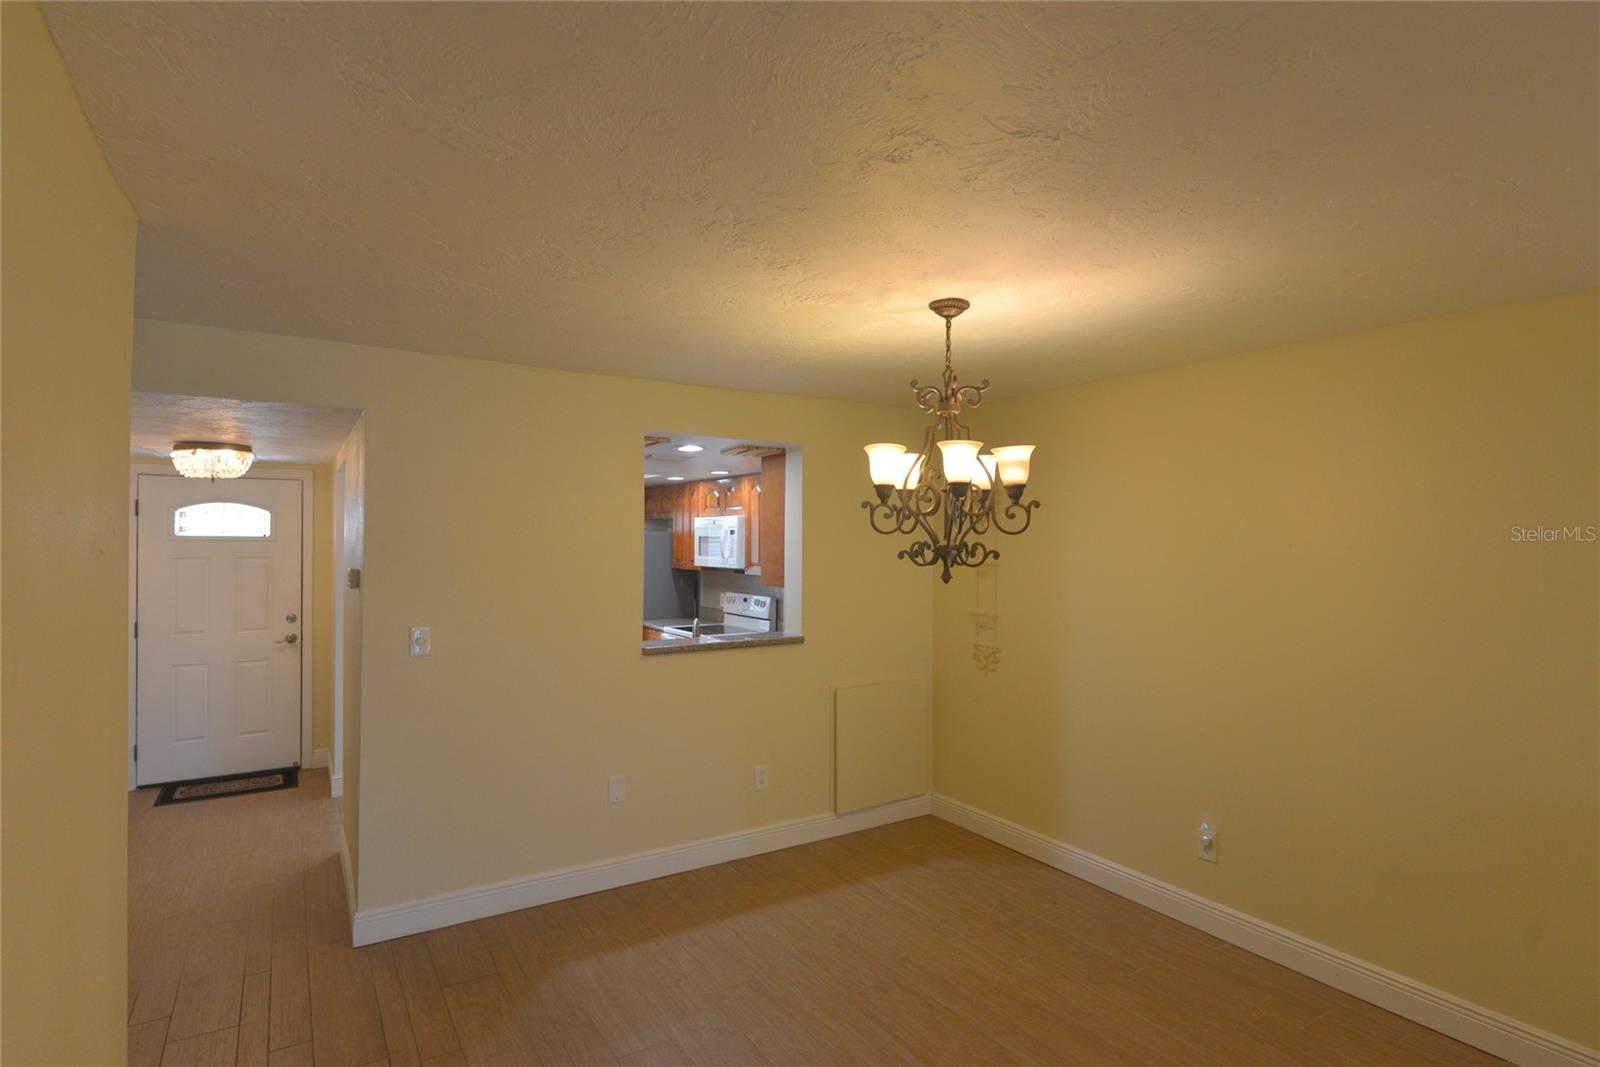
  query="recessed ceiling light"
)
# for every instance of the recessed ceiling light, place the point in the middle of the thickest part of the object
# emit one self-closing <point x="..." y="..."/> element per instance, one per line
<point x="675" y="478"/>
<point x="690" y="448"/>
<point x="652" y="475"/>
<point x="715" y="473"/>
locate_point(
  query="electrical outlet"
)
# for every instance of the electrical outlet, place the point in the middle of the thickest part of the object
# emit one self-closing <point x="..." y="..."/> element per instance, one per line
<point x="422" y="640"/>
<point x="1206" y="842"/>
<point x="617" y="789"/>
<point x="761" y="776"/>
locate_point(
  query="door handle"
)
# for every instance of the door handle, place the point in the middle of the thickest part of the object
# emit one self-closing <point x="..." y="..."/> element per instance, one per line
<point x="289" y="639"/>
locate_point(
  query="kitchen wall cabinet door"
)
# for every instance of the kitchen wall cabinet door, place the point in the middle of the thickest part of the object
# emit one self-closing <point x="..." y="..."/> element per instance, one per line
<point x="720" y="497"/>
<point x="773" y="474"/>
<point x="708" y="498"/>
<point x="684" y="498"/>
<point x="658" y="502"/>
<point x="736" y="496"/>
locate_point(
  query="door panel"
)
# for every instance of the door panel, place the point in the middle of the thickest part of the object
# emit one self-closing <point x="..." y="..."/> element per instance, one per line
<point x="191" y="596"/>
<point x="252" y="695"/>
<point x="218" y="683"/>
<point x="191" y="690"/>
<point x="252" y="602"/>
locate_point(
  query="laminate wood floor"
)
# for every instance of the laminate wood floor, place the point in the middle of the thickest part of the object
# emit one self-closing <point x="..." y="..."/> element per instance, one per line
<point x="912" y="943"/>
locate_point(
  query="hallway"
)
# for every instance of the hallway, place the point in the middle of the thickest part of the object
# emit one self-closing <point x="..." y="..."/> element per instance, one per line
<point x="236" y="915"/>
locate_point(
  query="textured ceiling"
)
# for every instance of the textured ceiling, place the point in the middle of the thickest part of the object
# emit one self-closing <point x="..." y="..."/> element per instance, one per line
<point x="284" y="432"/>
<point x="768" y="196"/>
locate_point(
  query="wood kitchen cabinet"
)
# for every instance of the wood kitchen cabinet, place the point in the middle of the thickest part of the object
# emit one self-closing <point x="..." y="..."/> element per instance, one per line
<point x="769" y="526"/>
<point x="737" y="498"/>
<point x="683" y="512"/>
<point x="680" y="504"/>
<point x="759" y="497"/>
<point x="658" y="501"/>
<point x="723" y="496"/>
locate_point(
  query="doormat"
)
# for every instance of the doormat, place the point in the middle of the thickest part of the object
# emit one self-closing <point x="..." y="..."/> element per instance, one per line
<point x="228" y="785"/>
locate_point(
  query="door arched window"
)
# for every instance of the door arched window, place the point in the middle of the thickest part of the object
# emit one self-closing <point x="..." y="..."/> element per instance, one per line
<point x="221" y="518"/>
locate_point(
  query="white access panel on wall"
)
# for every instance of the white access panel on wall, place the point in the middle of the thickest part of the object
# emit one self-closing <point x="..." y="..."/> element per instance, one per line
<point x="219" y="631"/>
<point x="881" y="743"/>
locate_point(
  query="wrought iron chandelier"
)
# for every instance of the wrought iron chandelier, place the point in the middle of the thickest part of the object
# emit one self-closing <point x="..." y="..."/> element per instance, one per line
<point x="947" y="494"/>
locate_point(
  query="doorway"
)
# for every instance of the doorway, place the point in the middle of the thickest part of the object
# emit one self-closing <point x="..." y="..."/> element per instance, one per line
<point x="221" y="632"/>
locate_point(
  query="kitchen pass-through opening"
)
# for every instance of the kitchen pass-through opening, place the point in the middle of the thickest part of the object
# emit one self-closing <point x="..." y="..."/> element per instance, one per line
<point x="721" y="543"/>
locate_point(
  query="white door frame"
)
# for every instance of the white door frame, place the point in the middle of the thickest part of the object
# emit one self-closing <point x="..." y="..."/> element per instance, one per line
<point x="307" y="565"/>
<point x="341" y="470"/>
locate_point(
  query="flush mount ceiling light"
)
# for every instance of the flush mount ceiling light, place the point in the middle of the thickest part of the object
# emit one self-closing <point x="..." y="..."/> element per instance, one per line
<point x="946" y="491"/>
<point x="691" y="448"/>
<point x="211" y="459"/>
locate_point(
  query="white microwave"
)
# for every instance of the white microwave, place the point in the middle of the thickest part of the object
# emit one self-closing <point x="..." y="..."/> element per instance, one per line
<point x="719" y="541"/>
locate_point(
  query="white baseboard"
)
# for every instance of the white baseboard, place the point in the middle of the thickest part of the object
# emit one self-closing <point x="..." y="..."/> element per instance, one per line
<point x="319" y="758"/>
<point x="383" y="924"/>
<point x="1437" y="1010"/>
<point x="336" y="786"/>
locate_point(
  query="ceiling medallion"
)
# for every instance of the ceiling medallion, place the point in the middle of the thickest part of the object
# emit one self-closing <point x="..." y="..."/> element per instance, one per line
<point x="211" y="459"/>
<point x="945" y="491"/>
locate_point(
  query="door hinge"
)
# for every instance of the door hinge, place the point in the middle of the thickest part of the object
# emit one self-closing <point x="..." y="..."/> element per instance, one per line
<point x="136" y="631"/>
<point x="136" y="753"/>
<point x="136" y="507"/>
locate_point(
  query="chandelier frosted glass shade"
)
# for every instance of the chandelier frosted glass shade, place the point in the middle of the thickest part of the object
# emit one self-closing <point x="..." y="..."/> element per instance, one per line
<point x="885" y="464"/>
<point x="946" y="493"/>
<point x="960" y="460"/>
<point x="984" y="477"/>
<point x="1014" y="461"/>
<point x="209" y="459"/>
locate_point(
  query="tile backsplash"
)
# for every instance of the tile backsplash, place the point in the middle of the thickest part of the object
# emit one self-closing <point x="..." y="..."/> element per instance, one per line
<point x="714" y="582"/>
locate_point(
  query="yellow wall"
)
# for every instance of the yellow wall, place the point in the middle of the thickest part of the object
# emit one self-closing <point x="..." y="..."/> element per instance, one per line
<point x="66" y="320"/>
<point x="1281" y="590"/>
<point x="504" y="509"/>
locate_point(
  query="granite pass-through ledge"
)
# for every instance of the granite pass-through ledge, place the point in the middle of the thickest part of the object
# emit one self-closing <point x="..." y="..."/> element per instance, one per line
<point x="671" y="645"/>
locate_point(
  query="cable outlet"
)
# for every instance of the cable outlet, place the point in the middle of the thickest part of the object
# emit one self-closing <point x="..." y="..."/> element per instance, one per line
<point x="617" y="789"/>
<point x="1206" y="842"/>
<point x="761" y="776"/>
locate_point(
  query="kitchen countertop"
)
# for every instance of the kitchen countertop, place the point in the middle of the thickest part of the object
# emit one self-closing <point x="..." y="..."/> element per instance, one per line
<point x="662" y="624"/>
<point x="705" y="644"/>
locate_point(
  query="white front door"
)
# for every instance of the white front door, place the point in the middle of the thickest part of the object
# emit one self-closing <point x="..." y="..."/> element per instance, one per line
<point x="218" y="635"/>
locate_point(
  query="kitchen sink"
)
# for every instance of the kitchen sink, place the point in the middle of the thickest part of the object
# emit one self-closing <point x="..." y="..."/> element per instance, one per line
<point x="706" y="630"/>
<point x="713" y="631"/>
<point x="746" y="615"/>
